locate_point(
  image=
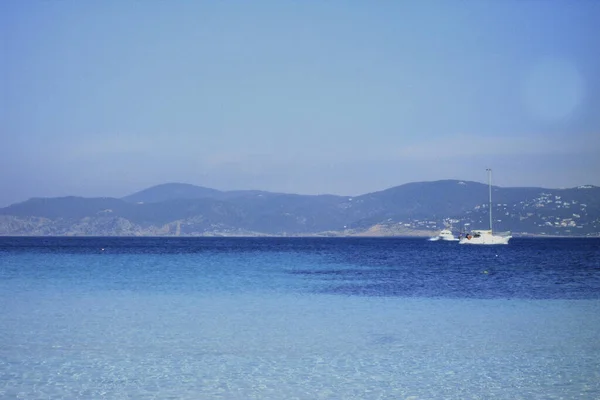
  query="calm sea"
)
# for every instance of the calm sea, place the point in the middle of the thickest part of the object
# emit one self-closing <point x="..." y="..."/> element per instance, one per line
<point x="298" y="318"/>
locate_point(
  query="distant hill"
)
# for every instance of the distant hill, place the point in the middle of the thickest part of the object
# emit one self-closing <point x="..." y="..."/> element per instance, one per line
<point x="172" y="191"/>
<point x="412" y="209"/>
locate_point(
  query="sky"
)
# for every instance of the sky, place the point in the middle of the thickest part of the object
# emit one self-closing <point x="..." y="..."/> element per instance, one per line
<point x="105" y="98"/>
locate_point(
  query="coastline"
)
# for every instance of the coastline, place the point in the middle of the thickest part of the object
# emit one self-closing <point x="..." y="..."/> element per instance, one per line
<point x="326" y="235"/>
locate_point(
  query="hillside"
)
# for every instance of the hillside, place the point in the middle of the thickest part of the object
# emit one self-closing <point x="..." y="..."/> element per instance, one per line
<point x="412" y="209"/>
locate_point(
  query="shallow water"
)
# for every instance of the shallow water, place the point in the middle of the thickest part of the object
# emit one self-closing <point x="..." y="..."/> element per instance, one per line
<point x="298" y="318"/>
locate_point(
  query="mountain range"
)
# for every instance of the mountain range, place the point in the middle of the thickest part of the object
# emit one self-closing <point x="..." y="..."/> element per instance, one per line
<point x="413" y="209"/>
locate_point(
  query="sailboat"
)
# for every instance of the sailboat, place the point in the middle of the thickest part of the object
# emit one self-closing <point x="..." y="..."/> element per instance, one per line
<point x="486" y="236"/>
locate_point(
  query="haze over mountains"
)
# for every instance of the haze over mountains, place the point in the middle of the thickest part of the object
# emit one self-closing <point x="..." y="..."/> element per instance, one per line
<point x="413" y="209"/>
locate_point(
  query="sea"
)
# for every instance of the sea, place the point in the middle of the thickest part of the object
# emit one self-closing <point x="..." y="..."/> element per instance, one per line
<point x="298" y="318"/>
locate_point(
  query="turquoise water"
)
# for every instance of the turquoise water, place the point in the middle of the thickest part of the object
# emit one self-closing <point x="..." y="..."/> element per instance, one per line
<point x="298" y="319"/>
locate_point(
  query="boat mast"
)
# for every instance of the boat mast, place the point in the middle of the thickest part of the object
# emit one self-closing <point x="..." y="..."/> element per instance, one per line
<point x="489" y="171"/>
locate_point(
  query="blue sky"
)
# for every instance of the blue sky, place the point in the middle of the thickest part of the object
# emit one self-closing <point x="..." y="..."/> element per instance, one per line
<point x="104" y="98"/>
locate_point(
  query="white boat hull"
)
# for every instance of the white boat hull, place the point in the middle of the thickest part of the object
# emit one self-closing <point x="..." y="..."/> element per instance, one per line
<point x="485" y="239"/>
<point x="445" y="235"/>
<point x="444" y="239"/>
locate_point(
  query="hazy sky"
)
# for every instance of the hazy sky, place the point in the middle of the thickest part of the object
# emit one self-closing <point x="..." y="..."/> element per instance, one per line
<point x="104" y="98"/>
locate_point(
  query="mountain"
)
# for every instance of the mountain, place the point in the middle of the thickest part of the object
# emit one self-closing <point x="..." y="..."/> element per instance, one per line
<point x="418" y="208"/>
<point x="172" y="191"/>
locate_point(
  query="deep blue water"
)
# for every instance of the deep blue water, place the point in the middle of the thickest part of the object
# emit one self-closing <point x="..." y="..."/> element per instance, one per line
<point x="525" y="269"/>
<point x="298" y="318"/>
